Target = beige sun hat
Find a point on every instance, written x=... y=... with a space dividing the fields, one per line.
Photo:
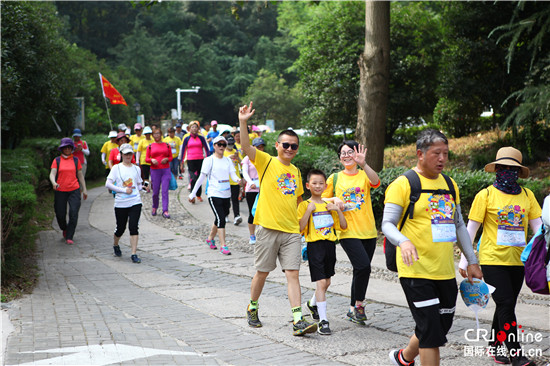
x=511 y=157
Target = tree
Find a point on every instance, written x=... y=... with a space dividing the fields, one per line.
x=273 y=99
x=374 y=65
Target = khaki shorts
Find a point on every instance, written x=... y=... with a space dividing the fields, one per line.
x=273 y=244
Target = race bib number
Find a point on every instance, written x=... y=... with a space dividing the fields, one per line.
x=223 y=185
x=349 y=206
x=174 y=150
x=443 y=230
x=512 y=236
x=322 y=220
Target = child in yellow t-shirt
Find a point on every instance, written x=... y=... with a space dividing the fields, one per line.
x=319 y=221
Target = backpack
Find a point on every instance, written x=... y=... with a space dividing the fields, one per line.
x=390 y=250
x=535 y=258
x=58 y=161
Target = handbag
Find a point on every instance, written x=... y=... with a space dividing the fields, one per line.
x=173 y=183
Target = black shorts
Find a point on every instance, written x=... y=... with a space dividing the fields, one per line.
x=321 y=256
x=432 y=304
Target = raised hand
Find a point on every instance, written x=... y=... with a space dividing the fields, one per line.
x=360 y=155
x=245 y=112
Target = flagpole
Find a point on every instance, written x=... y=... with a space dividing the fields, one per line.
x=105 y=100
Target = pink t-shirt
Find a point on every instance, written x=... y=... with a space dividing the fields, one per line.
x=194 y=148
x=159 y=151
x=252 y=173
x=80 y=154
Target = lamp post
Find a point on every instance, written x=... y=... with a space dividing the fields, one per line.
x=194 y=89
x=137 y=107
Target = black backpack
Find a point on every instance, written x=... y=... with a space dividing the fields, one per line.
x=416 y=190
x=58 y=161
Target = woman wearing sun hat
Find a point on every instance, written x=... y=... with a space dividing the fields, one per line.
x=67 y=181
x=506 y=211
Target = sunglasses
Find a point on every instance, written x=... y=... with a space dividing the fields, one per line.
x=286 y=145
x=221 y=144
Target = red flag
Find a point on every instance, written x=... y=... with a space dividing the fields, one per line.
x=110 y=92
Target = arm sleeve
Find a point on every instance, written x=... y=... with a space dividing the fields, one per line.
x=246 y=176
x=392 y=214
x=463 y=238
x=201 y=179
x=85 y=149
x=103 y=159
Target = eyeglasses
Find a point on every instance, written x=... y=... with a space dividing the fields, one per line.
x=286 y=145
x=347 y=153
x=221 y=144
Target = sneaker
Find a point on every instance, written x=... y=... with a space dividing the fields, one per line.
x=358 y=315
x=237 y=221
x=166 y=215
x=212 y=244
x=396 y=357
x=225 y=250
x=302 y=327
x=226 y=219
x=522 y=361
x=313 y=310
x=253 y=319
x=252 y=240
x=154 y=212
x=498 y=358
x=116 y=248
x=180 y=176
x=199 y=199
x=324 y=329
x=70 y=242
x=135 y=258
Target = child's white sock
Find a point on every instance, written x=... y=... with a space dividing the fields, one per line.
x=313 y=300
x=322 y=309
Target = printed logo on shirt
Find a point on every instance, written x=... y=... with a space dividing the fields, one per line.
x=353 y=198
x=286 y=183
x=442 y=208
x=510 y=229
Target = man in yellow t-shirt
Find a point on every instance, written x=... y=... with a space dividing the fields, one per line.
x=137 y=137
x=278 y=229
x=425 y=258
x=175 y=144
x=106 y=150
x=142 y=152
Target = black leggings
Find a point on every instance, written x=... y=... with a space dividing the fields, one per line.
x=61 y=199
x=360 y=252
x=508 y=281
x=220 y=207
x=123 y=214
x=195 y=167
x=235 y=192
x=250 y=198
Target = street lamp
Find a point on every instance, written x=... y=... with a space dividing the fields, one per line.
x=194 y=89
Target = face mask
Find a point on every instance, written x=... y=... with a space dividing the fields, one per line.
x=506 y=181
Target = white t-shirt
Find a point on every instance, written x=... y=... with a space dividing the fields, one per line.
x=123 y=177
x=218 y=172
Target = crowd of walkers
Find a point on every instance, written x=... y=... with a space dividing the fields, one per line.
x=423 y=229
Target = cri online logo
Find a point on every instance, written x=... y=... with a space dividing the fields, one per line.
x=501 y=336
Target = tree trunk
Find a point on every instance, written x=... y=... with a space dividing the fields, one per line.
x=374 y=66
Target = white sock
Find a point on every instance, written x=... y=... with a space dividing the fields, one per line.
x=322 y=309
x=313 y=300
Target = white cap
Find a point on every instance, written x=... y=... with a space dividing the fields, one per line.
x=147 y=130
x=126 y=148
x=218 y=139
x=112 y=134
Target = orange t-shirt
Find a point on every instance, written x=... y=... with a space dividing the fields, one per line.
x=66 y=174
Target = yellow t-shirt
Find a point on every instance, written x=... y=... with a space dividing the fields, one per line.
x=505 y=219
x=175 y=144
x=142 y=148
x=431 y=230
x=318 y=227
x=236 y=163
x=252 y=136
x=106 y=148
x=354 y=190
x=134 y=141
x=280 y=188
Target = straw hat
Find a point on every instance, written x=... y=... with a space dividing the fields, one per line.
x=511 y=157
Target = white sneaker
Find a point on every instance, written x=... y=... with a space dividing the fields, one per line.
x=237 y=221
x=252 y=240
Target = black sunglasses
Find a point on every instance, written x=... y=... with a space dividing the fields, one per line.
x=221 y=144
x=286 y=145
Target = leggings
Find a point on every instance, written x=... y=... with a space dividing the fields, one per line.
x=235 y=192
x=508 y=281
x=160 y=177
x=195 y=167
x=220 y=207
x=360 y=252
x=61 y=199
x=145 y=169
x=122 y=215
x=250 y=198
